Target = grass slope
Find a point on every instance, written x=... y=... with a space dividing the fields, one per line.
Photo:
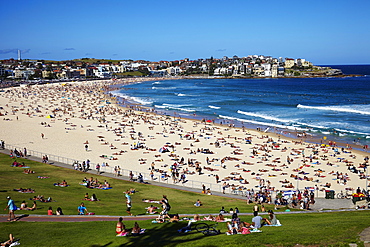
x=311 y=229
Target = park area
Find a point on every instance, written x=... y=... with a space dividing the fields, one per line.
x=302 y=228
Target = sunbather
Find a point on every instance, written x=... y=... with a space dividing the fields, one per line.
x=271 y=220
x=8 y=242
x=121 y=228
x=136 y=229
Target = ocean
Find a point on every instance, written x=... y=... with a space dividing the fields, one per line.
x=332 y=108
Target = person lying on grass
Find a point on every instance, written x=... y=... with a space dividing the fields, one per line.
x=151 y=210
x=62 y=184
x=8 y=242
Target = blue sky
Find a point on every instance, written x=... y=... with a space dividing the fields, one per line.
x=321 y=31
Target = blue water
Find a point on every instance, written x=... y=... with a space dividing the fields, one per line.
x=338 y=108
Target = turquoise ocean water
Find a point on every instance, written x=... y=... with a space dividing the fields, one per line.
x=338 y=108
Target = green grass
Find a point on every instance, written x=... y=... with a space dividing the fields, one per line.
x=309 y=229
x=325 y=229
x=112 y=202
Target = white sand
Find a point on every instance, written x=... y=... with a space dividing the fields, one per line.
x=82 y=114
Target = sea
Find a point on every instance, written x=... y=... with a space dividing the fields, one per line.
x=326 y=108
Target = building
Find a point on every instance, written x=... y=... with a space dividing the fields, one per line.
x=289 y=63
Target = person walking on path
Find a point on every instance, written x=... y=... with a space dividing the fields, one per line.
x=97 y=169
x=42 y=135
x=11 y=206
x=129 y=205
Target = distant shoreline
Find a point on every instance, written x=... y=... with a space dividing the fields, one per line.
x=315 y=138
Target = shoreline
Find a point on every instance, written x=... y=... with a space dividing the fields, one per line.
x=242 y=159
x=304 y=136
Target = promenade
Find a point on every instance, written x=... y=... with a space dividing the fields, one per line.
x=320 y=203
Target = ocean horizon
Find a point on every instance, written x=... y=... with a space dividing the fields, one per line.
x=333 y=108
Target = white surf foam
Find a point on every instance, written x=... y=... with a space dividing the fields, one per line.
x=251 y=114
x=264 y=123
x=361 y=109
x=214 y=107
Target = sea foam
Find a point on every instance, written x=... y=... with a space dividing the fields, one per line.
x=264 y=123
x=346 y=109
x=251 y=114
x=214 y=107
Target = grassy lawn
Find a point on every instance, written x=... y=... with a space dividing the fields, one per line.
x=325 y=229
x=311 y=229
x=112 y=202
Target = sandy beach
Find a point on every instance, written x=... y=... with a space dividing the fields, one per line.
x=79 y=121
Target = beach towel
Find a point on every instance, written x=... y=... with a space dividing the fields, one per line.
x=277 y=223
x=105 y=188
x=122 y=234
x=255 y=230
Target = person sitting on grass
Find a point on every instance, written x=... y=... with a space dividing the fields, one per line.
x=82 y=209
x=235 y=219
x=231 y=228
x=198 y=203
x=256 y=221
x=196 y=217
x=121 y=228
x=272 y=221
x=24 y=206
x=220 y=218
x=136 y=229
x=59 y=211
x=50 y=211
x=94 y=198
x=34 y=206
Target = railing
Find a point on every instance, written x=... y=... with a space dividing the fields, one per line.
x=123 y=172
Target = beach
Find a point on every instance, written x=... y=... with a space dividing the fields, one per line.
x=81 y=121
